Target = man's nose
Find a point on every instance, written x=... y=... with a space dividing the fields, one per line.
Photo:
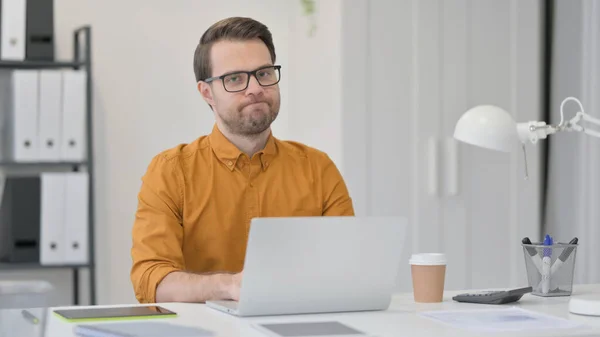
x=254 y=87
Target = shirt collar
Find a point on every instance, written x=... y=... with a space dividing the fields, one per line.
x=229 y=154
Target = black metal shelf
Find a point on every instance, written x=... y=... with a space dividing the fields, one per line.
x=31 y=265
x=39 y=64
x=82 y=53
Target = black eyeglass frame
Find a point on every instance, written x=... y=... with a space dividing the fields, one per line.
x=249 y=73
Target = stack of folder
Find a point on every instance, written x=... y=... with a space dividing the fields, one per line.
x=43 y=118
x=43 y=115
x=64 y=218
x=45 y=219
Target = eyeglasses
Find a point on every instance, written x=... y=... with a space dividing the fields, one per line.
x=239 y=80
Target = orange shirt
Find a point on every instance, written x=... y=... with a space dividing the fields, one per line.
x=197 y=199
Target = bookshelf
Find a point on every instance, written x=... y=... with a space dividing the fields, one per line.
x=81 y=61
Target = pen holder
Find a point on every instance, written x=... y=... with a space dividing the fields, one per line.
x=550 y=269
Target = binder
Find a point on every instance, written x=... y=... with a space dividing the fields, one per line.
x=50 y=120
x=6 y=110
x=23 y=112
x=39 y=30
x=73 y=143
x=20 y=219
x=12 y=30
x=76 y=218
x=52 y=218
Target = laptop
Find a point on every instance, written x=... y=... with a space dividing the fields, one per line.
x=301 y=265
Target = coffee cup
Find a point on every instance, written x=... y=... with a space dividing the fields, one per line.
x=428 y=272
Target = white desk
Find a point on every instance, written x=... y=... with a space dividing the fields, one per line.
x=400 y=319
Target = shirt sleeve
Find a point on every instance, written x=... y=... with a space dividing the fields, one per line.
x=337 y=201
x=157 y=230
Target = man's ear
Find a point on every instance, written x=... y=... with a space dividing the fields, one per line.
x=206 y=92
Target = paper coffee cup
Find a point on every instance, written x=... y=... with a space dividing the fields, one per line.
x=428 y=275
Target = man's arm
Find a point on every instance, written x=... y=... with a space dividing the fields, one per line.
x=187 y=287
x=158 y=271
x=336 y=197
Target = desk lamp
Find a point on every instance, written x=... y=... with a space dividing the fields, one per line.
x=493 y=128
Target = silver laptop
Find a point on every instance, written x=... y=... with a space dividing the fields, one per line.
x=297 y=265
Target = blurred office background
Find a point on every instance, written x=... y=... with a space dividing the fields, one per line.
x=379 y=86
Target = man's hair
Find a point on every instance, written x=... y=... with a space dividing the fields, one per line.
x=233 y=29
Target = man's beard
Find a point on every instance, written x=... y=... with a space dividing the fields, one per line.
x=250 y=124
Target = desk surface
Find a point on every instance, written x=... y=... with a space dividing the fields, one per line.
x=401 y=319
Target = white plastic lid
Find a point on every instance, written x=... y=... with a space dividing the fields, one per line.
x=428 y=259
x=588 y=305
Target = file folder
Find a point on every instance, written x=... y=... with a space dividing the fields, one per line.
x=6 y=111
x=39 y=31
x=52 y=229
x=20 y=219
x=73 y=145
x=12 y=29
x=76 y=218
x=19 y=101
x=50 y=120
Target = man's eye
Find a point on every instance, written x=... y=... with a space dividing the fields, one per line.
x=233 y=79
x=264 y=73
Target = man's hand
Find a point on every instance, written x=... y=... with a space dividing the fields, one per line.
x=187 y=287
x=236 y=284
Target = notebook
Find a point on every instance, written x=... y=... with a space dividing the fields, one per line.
x=139 y=329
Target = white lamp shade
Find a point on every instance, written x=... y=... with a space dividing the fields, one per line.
x=489 y=127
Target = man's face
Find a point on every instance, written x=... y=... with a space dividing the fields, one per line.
x=250 y=111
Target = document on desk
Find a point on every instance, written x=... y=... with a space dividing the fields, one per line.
x=496 y=320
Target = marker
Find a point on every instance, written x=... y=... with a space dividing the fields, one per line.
x=30 y=317
x=564 y=256
x=546 y=264
x=537 y=261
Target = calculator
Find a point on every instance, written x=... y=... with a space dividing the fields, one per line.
x=494 y=296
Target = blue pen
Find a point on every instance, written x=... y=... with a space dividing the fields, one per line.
x=546 y=264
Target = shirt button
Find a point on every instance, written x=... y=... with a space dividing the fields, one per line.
x=229 y=163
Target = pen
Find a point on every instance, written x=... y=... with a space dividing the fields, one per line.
x=564 y=256
x=537 y=261
x=30 y=317
x=546 y=264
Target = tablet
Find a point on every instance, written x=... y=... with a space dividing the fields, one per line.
x=114 y=313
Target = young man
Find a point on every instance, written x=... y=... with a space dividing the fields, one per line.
x=197 y=199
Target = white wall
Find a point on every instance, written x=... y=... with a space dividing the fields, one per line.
x=574 y=159
x=145 y=101
x=145 y=98
x=338 y=94
x=315 y=78
x=428 y=62
x=143 y=81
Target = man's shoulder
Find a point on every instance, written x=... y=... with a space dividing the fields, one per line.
x=181 y=151
x=300 y=150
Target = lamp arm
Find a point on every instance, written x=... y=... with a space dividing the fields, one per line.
x=535 y=130
x=562 y=106
x=573 y=126
x=531 y=132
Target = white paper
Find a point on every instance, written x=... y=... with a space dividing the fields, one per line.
x=495 y=320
